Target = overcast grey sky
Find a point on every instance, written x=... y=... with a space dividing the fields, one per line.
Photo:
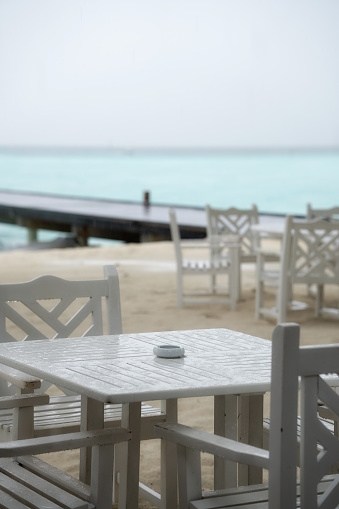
x=169 y=73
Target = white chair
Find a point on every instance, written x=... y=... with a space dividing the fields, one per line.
x=314 y=489
x=330 y=214
x=309 y=256
x=307 y=250
x=227 y=225
x=204 y=267
x=53 y=307
x=27 y=481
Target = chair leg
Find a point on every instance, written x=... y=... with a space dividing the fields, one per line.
x=239 y=282
x=189 y=467
x=23 y=422
x=259 y=292
x=180 y=289
x=234 y=291
x=213 y=283
x=283 y=297
x=102 y=476
x=234 y=278
x=259 y=296
x=319 y=301
x=120 y=464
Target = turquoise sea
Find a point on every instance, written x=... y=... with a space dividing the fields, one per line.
x=278 y=182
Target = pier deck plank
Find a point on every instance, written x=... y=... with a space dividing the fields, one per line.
x=86 y=217
x=101 y=218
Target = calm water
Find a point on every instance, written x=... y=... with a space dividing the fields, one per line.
x=277 y=182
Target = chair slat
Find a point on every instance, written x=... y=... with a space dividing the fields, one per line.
x=8 y=502
x=24 y=493
x=34 y=489
x=58 y=477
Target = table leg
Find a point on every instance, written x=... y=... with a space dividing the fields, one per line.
x=239 y=418
x=169 y=478
x=129 y=457
x=92 y=417
x=250 y=431
x=225 y=425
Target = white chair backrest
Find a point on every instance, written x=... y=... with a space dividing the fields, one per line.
x=289 y=362
x=310 y=251
x=223 y=222
x=330 y=214
x=51 y=307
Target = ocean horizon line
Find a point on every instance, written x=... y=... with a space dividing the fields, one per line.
x=25 y=149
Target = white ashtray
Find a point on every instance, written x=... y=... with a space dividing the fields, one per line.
x=169 y=351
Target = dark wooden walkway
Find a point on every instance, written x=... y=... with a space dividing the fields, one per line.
x=84 y=218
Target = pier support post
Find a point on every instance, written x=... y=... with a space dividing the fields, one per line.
x=81 y=234
x=32 y=235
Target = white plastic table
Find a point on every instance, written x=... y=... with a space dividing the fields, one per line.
x=273 y=230
x=123 y=369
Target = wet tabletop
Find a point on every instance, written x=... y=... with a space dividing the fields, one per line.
x=123 y=368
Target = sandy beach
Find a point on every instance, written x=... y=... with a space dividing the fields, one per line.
x=147 y=274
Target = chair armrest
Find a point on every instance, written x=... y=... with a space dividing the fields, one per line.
x=267 y=252
x=213 y=444
x=199 y=244
x=64 y=442
x=23 y=400
x=19 y=378
x=222 y=241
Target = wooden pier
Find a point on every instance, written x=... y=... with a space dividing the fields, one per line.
x=85 y=217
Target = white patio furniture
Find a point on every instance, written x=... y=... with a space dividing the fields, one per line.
x=270 y=230
x=53 y=307
x=188 y=267
x=231 y=366
x=329 y=214
x=309 y=256
x=225 y=225
x=28 y=482
x=270 y=276
x=284 y=490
